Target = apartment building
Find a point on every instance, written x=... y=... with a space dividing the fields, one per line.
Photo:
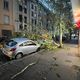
x=6 y=18
x=44 y=18
x=22 y=15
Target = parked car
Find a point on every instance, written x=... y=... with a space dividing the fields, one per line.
x=17 y=47
x=64 y=38
x=4 y=39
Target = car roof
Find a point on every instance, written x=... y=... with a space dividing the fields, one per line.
x=20 y=40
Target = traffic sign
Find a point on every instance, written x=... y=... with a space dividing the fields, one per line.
x=78 y=24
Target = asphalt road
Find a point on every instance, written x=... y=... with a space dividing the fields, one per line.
x=63 y=64
x=3 y=58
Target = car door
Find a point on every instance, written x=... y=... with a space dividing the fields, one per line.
x=23 y=48
x=28 y=47
x=31 y=46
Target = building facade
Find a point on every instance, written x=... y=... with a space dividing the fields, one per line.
x=23 y=15
x=6 y=18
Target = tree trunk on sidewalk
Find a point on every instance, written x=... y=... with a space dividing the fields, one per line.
x=70 y=33
x=79 y=38
x=61 y=45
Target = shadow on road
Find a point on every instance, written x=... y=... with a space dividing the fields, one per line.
x=78 y=75
x=3 y=58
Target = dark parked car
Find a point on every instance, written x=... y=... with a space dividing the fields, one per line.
x=3 y=39
x=63 y=38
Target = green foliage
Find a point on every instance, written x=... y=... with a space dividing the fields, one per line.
x=17 y=34
x=33 y=36
x=48 y=44
x=45 y=41
x=62 y=17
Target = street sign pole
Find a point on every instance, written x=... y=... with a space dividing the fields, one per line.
x=79 y=39
x=78 y=43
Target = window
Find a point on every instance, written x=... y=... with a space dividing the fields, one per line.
x=28 y=43
x=20 y=8
x=25 y=10
x=20 y=18
x=6 y=4
x=11 y=43
x=20 y=27
x=35 y=22
x=25 y=44
x=32 y=6
x=21 y=44
x=32 y=21
x=6 y=19
x=25 y=27
x=35 y=15
x=35 y=8
x=7 y=33
x=32 y=13
x=25 y=19
x=25 y=2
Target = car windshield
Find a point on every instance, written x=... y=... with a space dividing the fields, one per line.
x=11 y=43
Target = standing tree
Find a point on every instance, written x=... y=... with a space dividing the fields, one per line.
x=63 y=15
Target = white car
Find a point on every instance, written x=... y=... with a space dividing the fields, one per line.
x=17 y=47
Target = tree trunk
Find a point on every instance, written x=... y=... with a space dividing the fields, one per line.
x=55 y=43
x=70 y=33
x=79 y=38
x=61 y=45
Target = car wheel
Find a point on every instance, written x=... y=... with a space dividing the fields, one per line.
x=18 y=56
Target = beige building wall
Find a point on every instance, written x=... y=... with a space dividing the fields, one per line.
x=9 y=13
